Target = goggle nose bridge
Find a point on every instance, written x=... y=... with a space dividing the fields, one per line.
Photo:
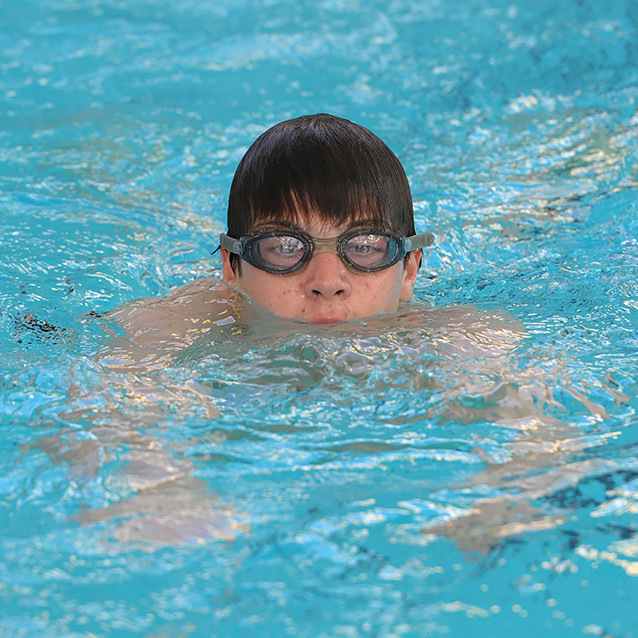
x=328 y=245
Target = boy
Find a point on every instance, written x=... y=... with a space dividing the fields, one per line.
x=320 y=230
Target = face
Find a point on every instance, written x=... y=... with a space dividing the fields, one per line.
x=326 y=291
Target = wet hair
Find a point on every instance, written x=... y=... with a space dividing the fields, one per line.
x=319 y=165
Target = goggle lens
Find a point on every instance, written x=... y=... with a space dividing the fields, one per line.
x=372 y=251
x=281 y=252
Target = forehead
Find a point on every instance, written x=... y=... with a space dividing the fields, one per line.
x=317 y=226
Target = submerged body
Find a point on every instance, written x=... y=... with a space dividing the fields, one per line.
x=318 y=269
x=155 y=330
x=460 y=361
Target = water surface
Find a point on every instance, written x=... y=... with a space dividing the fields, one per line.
x=421 y=475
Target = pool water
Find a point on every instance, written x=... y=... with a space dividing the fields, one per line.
x=398 y=477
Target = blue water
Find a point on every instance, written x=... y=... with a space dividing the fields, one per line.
x=352 y=481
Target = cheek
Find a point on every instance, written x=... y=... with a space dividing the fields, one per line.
x=382 y=290
x=284 y=297
x=288 y=290
x=266 y=288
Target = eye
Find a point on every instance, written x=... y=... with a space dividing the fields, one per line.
x=363 y=249
x=281 y=250
x=367 y=244
x=370 y=251
x=285 y=245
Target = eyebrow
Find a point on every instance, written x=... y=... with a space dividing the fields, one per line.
x=264 y=226
x=276 y=225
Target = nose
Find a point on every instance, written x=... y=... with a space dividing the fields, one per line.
x=327 y=277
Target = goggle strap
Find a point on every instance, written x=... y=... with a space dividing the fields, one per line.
x=418 y=241
x=230 y=244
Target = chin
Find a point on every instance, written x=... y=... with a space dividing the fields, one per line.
x=324 y=320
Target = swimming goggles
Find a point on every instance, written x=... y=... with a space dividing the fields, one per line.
x=282 y=252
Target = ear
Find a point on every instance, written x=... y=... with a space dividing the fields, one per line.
x=227 y=273
x=409 y=274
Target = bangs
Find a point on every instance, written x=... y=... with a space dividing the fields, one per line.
x=340 y=205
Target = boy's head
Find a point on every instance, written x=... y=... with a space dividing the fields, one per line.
x=322 y=175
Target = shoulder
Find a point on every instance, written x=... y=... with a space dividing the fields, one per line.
x=476 y=332
x=195 y=307
x=465 y=331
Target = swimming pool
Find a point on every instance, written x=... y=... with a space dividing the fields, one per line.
x=368 y=480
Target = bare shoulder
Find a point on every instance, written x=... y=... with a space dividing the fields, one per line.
x=469 y=331
x=480 y=332
x=189 y=309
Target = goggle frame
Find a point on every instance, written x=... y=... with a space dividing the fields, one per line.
x=313 y=245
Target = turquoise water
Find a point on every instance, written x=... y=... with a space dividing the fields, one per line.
x=374 y=480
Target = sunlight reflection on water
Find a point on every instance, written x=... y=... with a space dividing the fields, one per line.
x=407 y=477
